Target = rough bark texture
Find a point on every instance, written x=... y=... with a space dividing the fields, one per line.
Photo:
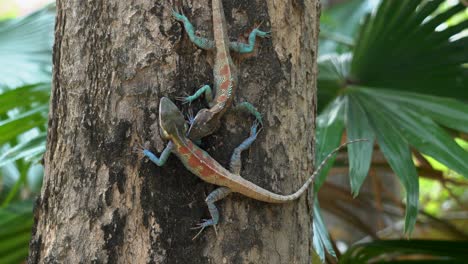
x=113 y=60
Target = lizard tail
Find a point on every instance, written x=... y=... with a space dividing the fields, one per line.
x=304 y=187
x=251 y=190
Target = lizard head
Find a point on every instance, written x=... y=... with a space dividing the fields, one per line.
x=171 y=120
x=203 y=124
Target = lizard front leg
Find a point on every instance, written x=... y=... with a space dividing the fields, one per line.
x=164 y=155
x=213 y=197
x=208 y=44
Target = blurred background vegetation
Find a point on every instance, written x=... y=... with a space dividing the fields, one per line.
x=395 y=72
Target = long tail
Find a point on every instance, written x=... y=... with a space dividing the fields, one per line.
x=319 y=168
x=220 y=27
x=262 y=194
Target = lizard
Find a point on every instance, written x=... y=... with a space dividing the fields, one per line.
x=173 y=128
x=207 y=120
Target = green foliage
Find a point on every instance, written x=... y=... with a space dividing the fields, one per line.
x=399 y=82
x=407 y=251
x=25 y=49
x=21 y=116
x=418 y=57
x=25 y=56
x=339 y=25
x=15 y=231
x=321 y=239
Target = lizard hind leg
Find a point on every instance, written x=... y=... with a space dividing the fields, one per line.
x=236 y=163
x=249 y=108
x=213 y=197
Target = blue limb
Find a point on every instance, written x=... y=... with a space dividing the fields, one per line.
x=248 y=48
x=236 y=163
x=164 y=155
x=213 y=197
x=208 y=44
x=249 y=108
x=205 y=89
x=202 y=43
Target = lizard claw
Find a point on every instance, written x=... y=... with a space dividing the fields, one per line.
x=178 y=16
x=184 y=99
x=190 y=117
x=254 y=130
x=138 y=149
x=204 y=224
x=262 y=34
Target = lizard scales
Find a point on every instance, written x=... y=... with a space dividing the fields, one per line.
x=207 y=120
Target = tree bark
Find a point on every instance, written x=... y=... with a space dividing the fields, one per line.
x=113 y=61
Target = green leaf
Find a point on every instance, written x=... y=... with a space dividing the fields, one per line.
x=321 y=239
x=330 y=126
x=23 y=122
x=396 y=150
x=26 y=47
x=399 y=48
x=430 y=139
x=359 y=155
x=29 y=148
x=16 y=222
x=339 y=24
x=421 y=131
x=29 y=94
x=448 y=112
x=333 y=69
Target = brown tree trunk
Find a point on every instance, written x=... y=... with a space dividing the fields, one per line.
x=113 y=61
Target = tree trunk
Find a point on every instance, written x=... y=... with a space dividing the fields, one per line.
x=113 y=61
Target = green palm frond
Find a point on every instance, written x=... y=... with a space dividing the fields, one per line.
x=26 y=48
x=403 y=86
x=395 y=43
x=15 y=231
x=404 y=46
x=20 y=117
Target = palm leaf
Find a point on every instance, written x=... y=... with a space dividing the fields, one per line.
x=330 y=126
x=339 y=25
x=321 y=239
x=15 y=231
x=28 y=149
x=25 y=48
x=398 y=53
x=400 y=48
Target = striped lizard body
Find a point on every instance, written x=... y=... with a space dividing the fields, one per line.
x=173 y=128
x=207 y=120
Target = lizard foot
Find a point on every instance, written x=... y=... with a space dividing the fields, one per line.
x=178 y=16
x=205 y=223
x=190 y=117
x=138 y=149
x=254 y=130
x=184 y=99
x=262 y=34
